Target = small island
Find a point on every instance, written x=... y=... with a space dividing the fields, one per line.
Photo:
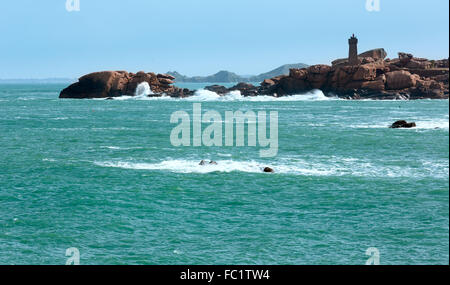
x=369 y=75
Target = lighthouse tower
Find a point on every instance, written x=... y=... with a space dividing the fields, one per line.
x=353 y=50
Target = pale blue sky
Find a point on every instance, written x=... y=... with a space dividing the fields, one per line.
x=41 y=39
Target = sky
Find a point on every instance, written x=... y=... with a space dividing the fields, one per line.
x=41 y=39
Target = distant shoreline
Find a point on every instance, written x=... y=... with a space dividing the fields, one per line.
x=39 y=81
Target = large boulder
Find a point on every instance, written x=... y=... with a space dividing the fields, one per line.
x=401 y=79
x=377 y=85
x=98 y=85
x=246 y=89
x=108 y=84
x=267 y=83
x=365 y=72
x=165 y=81
x=340 y=61
x=219 y=89
x=165 y=76
x=369 y=56
x=376 y=54
x=298 y=73
x=405 y=58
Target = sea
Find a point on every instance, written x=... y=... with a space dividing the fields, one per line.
x=100 y=182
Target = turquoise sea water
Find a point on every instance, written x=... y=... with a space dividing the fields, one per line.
x=102 y=176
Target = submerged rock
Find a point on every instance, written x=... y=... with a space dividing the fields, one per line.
x=268 y=170
x=403 y=124
x=203 y=162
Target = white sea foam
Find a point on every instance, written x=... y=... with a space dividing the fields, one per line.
x=206 y=95
x=433 y=124
x=203 y=95
x=332 y=166
x=315 y=95
x=187 y=166
x=110 y=147
x=143 y=90
x=120 y=148
x=59 y=118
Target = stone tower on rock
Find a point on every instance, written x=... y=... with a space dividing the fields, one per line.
x=353 y=50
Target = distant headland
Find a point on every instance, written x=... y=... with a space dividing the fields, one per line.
x=231 y=77
x=368 y=75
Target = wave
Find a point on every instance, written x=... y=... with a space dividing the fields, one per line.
x=433 y=124
x=120 y=148
x=430 y=124
x=188 y=166
x=334 y=166
x=143 y=89
x=203 y=95
x=226 y=166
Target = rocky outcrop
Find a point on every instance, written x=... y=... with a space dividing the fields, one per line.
x=268 y=170
x=374 y=77
x=403 y=125
x=401 y=79
x=245 y=89
x=110 y=84
x=405 y=77
x=219 y=89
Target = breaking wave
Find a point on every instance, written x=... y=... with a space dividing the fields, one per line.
x=143 y=89
x=203 y=95
x=334 y=166
x=188 y=166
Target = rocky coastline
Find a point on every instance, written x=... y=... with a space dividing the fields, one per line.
x=373 y=76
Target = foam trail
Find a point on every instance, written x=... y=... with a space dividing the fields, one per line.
x=433 y=124
x=186 y=166
x=190 y=166
x=335 y=166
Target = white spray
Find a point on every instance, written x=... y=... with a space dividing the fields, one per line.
x=143 y=90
